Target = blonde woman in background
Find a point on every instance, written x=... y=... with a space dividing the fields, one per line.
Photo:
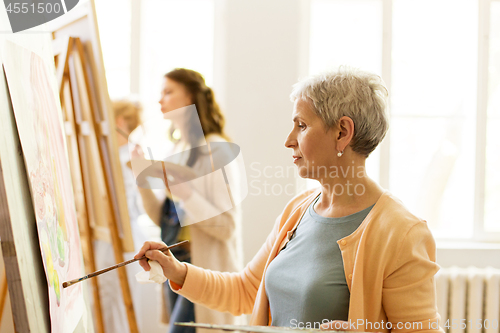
x=215 y=243
x=127 y=118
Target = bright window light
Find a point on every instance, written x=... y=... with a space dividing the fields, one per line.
x=174 y=33
x=113 y=18
x=434 y=72
x=347 y=32
x=492 y=195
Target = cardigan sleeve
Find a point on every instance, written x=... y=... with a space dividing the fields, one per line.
x=409 y=297
x=228 y=292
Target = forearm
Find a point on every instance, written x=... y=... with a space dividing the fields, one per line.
x=152 y=205
x=231 y=292
x=221 y=291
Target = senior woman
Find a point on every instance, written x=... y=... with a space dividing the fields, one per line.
x=348 y=253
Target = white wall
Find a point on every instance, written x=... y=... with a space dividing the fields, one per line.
x=468 y=254
x=256 y=64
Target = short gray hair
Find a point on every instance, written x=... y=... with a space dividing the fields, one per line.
x=359 y=95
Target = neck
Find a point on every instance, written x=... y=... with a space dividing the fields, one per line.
x=347 y=190
x=121 y=140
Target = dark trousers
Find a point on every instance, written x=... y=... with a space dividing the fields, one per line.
x=181 y=310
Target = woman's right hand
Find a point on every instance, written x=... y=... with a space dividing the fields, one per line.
x=137 y=152
x=173 y=269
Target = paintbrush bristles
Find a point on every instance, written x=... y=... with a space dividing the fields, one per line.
x=91 y=275
x=69 y=283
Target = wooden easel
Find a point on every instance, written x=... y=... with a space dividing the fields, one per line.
x=76 y=177
x=85 y=129
x=81 y=22
x=3 y=293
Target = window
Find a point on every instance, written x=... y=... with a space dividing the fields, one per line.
x=115 y=43
x=442 y=154
x=433 y=118
x=169 y=34
x=330 y=20
x=174 y=33
x=492 y=191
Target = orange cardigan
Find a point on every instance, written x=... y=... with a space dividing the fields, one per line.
x=389 y=264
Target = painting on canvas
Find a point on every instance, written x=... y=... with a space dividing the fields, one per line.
x=36 y=107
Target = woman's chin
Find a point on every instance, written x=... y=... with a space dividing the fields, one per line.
x=303 y=172
x=167 y=115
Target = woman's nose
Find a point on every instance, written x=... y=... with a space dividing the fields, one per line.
x=290 y=141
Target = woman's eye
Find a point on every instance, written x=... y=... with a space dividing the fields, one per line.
x=301 y=126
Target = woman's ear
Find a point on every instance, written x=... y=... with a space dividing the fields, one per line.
x=346 y=132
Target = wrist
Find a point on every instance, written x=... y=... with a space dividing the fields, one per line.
x=180 y=275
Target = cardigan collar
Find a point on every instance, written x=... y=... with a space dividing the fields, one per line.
x=310 y=198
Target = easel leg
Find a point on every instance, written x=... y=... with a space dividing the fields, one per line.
x=3 y=294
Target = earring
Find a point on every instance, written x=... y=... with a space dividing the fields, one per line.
x=340 y=153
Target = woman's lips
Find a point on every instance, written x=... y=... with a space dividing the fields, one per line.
x=296 y=158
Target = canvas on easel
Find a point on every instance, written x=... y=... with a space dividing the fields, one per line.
x=27 y=285
x=39 y=126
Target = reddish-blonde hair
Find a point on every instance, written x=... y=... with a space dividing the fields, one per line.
x=211 y=118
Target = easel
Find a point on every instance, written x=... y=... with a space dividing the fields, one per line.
x=3 y=293
x=76 y=177
x=6 y=320
x=85 y=130
x=81 y=22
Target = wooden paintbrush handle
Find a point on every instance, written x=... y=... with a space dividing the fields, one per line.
x=91 y=275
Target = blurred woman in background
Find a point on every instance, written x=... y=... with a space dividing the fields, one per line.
x=127 y=117
x=215 y=243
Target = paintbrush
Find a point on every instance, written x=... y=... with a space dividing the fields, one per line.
x=91 y=275
x=122 y=132
x=125 y=135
